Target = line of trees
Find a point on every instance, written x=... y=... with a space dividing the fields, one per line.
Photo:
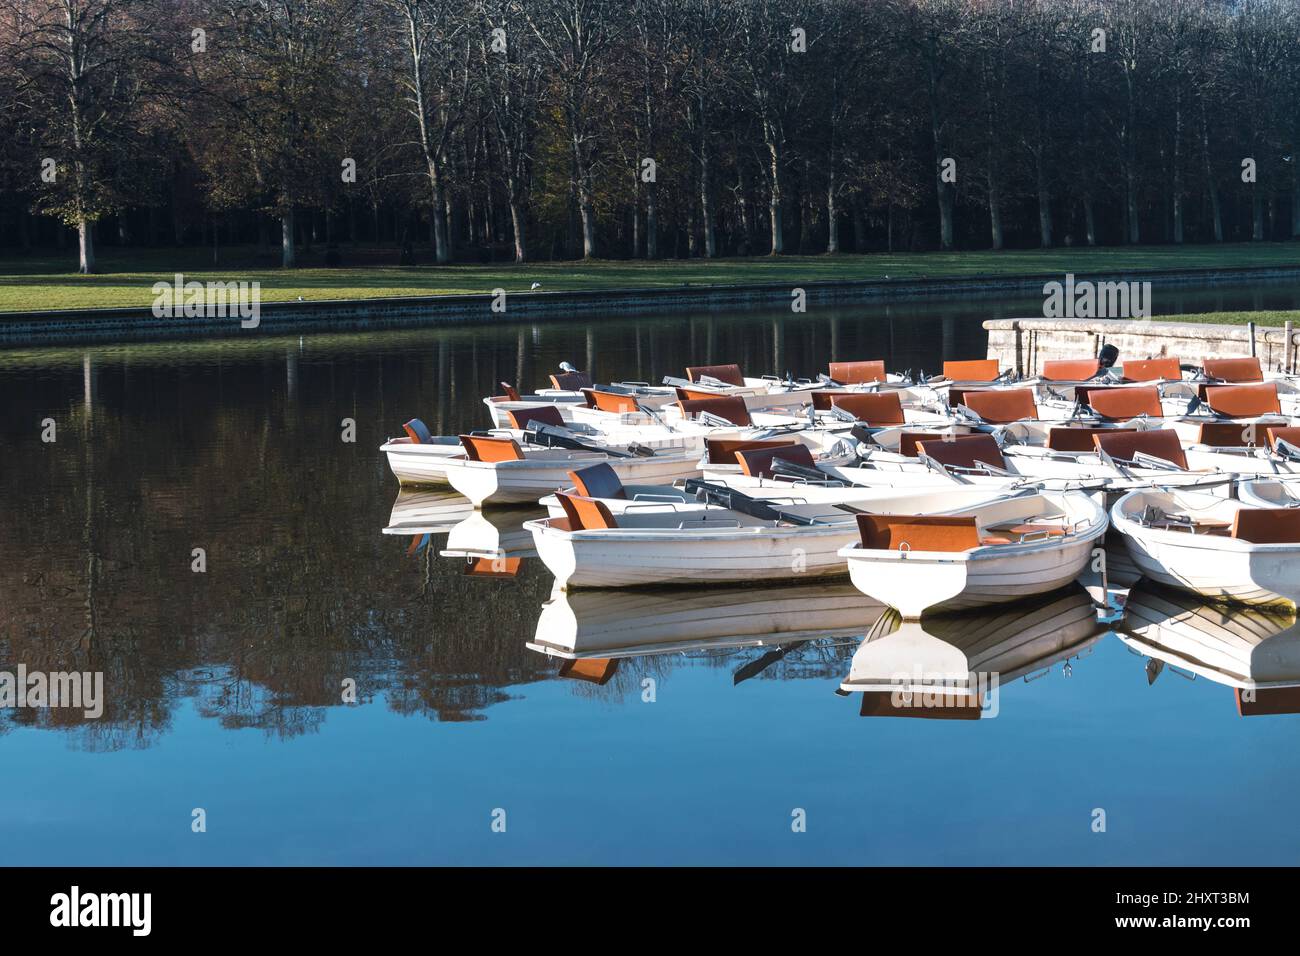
x=484 y=129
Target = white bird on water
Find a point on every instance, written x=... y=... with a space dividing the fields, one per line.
x=534 y=287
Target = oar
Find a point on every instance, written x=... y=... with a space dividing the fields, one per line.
x=762 y=663
x=549 y=436
x=788 y=469
x=738 y=501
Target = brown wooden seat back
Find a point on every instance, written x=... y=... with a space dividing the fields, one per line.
x=491 y=448
x=1077 y=439
x=1126 y=402
x=1225 y=434
x=918 y=533
x=1241 y=369
x=536 y=414
x=723 y=373
x=722 y=451
x=823 y=399
x=857 y=373
x=758 y=462
x=1070 y=370
x=962 y=451
x=874 y=408
x=1289 y=434
x=1267 y=525
x=973 y=370
x=730 y=407
x=585 y=514
x=1244 y=401
x=1159 y=443
x=609 y=401
x=1149 y=370
x=571 y=381
x=1000 y=406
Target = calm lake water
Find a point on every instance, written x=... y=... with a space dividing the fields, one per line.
x=223 y=689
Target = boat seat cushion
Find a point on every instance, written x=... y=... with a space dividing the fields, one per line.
x=585 y=514
x=609 y=401
x=974 y=370
x=962 y=451
x=730 y=407
x=918 y=532
x=1070 y=370
x=597 y=481
x=874 y=408
x=1267 y=525
x=1149 y=370
x=571 y=381
x=535 y=415
x=1159 y=443
x=418 y=432
x=1242 y=369
x=723 y=373
x=759 y=462
x=1065 y=438
x=1126 y=402
x=722 y=451
x=1244 y=401
x=998 y=407
x=857 y=373
x=491 y=448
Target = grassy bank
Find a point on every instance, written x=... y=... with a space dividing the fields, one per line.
x=127 y=275
x=1277 y=317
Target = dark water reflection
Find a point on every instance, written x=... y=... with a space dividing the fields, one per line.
x=235 y=447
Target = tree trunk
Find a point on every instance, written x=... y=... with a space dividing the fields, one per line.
x=288 y=253
x=774 y=201
x=517 y=223
x=706 y=199
x=1131 y=206
x=86 y=245
x=651 y=222
x=1178 y=171
x=1044 y=207
x=995 y=212
x=832 y=219
x=1089 y=221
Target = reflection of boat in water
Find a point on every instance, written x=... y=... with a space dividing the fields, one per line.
x=943 y=666
x=427 y=512
x=612 y=624
x=491 y=544
x=1254 y=650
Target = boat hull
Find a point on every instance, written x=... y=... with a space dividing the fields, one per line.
x=728 y=556
x=528 y=480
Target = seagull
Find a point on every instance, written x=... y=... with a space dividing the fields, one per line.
x=566 y=367
x=534 y=287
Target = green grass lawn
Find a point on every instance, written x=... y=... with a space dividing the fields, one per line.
x=127 y=275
